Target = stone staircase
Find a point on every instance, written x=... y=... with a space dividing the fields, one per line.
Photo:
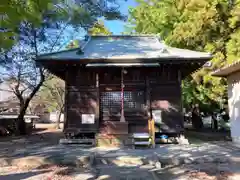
x=141 y=139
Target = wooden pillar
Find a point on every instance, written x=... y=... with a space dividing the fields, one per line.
x=122 y=118
x=148 y=97
x=98 y=100
x=65 y=99
x=179 y=75
x=151 y=123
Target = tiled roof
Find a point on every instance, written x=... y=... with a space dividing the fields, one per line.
x=125 y=47
x=227 y=70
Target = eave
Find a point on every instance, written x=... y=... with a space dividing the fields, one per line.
x=227 y=70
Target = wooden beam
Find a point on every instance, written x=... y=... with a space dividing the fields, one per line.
x=65 y=101
x=147 y=97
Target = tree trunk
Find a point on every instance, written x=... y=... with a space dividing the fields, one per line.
x=58 y=120
x=21 y=125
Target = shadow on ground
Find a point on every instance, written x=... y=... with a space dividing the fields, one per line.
x=199 y=161
x=24 y=175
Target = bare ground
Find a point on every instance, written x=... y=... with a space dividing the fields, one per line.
x=39 y=157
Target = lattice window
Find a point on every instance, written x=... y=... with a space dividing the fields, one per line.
x=111 y=101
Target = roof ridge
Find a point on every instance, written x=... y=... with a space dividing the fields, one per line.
x=190 y=50
x=86 y=43
x=130 y=35
x=93 y=36
x=143 y=46
x=57 y=52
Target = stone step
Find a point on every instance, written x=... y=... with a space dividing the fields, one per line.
x=82 y=142
x=141 y=135
x=142 y=143
x=113 y=140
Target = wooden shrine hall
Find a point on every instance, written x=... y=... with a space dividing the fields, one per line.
x=115 y=84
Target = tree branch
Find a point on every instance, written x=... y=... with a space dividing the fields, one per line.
x=59 y=35
x=35 y=41
x=34 y=91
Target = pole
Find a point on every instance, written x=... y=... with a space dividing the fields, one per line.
x=122 y=118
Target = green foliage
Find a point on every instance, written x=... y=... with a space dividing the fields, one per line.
x=52 y=93
x=99 y=29
x=73 y=44
x=14 y=12
x=39 y=13
x=203 y=25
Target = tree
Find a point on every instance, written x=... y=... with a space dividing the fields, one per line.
x=53 y=94
x=43 y=26
x=203 y=25
x=86 y=13
x=25 y=77
x=99 y=29
x=13 y=12
x=73 y=44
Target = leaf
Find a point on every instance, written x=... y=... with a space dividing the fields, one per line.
x=202 y=25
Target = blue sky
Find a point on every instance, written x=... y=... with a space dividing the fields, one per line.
x=116 y=27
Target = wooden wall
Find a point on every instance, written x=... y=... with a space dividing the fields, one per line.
x=81 y=98
x=97 y=91
x=165 y=95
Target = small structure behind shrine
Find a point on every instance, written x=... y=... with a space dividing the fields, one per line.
x=232 y=73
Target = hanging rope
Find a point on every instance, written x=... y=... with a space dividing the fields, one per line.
x=122 y=119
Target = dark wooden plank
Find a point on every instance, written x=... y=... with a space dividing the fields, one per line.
x=66 y=102
x=168 y=99
x=148 y=98
x=81 y=77
x=112 y=127
x=82 y=102
x=154 y=85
